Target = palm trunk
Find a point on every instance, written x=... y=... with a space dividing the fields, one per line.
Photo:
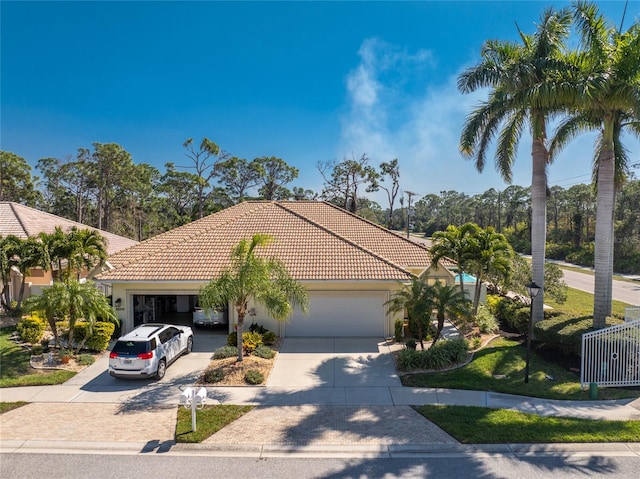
x=539 y=156
x=603 y=261
x=476 y=294
x=239 y=334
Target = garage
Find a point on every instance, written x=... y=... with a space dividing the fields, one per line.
x=353 y=313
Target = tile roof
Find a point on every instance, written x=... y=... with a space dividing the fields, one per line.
x=315 y=240
x=23 y=221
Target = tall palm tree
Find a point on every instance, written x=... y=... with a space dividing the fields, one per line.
x=455 y=243
x=416 y=299
x=447 y=301
x=519 y=79
x=606 y=99
x=265 y=280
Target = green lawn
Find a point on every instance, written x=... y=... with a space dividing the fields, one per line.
x=209 y=420
x=15 y=369
x=506 y=359
x=477 y=425
x=8 y=406
x=582 y=302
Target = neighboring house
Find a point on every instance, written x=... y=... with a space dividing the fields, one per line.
x=23 y=221
x=349 y=266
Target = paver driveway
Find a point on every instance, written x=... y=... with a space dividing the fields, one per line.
x=307 y=363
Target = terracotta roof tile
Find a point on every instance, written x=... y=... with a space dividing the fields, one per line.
x=315 y=240
x=23 y=221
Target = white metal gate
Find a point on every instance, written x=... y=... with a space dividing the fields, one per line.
x=611 y=356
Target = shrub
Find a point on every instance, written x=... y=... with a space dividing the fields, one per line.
x=257 y=328
x=398 y=330
x=31 y=328
x=85 y=359
x=519 y=319
x=411 y=344
x=37 y=349
x=264 y=352
x=250 y=341
x=486 y=322
x=443 y=354
x=269 y=337
x=232 y=339
x=213 y=375
x=253 y=376
x=475 y=343
x=225 y=352
x=99 y=339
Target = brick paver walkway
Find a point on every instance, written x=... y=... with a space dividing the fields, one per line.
x=331 y=425
x=87 y=422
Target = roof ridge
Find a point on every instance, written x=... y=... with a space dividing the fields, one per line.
x=342 y=238
x=376 y=225
x=182 y=239
x=16 y=216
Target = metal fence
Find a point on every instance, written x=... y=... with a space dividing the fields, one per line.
x=611 y=356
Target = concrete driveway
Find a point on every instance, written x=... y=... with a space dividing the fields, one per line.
x=305 y=363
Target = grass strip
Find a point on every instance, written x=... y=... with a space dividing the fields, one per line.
x=477 y=425
x=209 y=420
x=500 y=368
x=8 y=406
x=582 y=302
x=16 y=369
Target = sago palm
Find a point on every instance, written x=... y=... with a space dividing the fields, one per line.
x=521 y=93
x=264 y=280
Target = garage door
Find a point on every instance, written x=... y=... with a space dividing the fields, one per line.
x=340 y=314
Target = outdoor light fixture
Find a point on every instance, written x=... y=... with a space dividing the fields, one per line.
x=118 y=303
x=533 y=289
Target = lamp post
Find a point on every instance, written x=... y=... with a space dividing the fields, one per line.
x=533 y=289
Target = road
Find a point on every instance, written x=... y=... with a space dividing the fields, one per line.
x=625 y=291
x=441 y=466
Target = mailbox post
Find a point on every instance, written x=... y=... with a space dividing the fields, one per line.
x=192 y=399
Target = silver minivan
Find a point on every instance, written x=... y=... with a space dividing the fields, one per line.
x=148 y=350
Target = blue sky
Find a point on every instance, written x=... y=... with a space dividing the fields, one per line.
x=303 y=81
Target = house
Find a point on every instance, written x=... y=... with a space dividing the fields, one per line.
x=350 y=267
x=23 y=222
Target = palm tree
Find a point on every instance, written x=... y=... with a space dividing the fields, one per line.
x=33 y=254
x=519 y=78
x=87 y=249
x=416 y=299
x=74 y=301
x=9 y=248
x=265 y=280
x=447 y=301
x=606 y=99
x=492 y=255
x=457 y=244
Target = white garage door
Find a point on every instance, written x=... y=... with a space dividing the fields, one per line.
x=340 y=314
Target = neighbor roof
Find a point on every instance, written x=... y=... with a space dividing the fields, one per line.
x=315 y=240
x=23 y=221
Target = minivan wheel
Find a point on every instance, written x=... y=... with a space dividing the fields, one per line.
x=162 y=368
x=189 y=345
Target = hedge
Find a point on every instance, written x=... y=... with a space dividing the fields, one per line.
x=563 y=330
